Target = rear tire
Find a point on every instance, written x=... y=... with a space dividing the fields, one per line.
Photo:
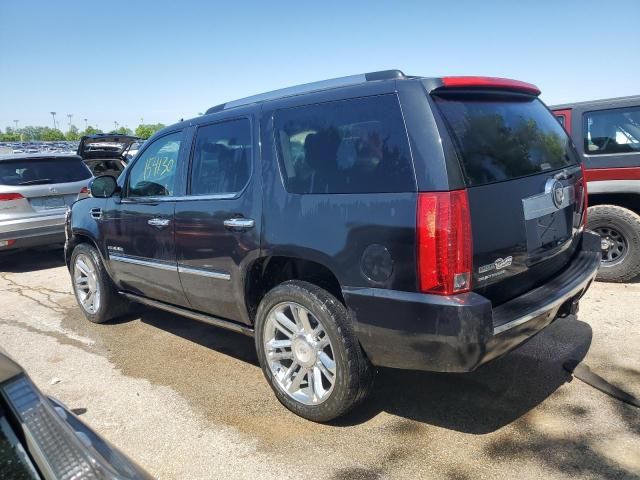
x=619 y=229
x=301 y=318
x=96 y=295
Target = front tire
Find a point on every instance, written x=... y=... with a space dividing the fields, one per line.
x=619 y=229
x=309 y=352
x=96 y=295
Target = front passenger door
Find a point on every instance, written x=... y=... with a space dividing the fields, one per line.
x=138 y=226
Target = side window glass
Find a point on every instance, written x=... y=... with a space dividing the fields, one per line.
x=154 y=173
x=221 y=158
x=348 y=146
x=561 y=119
x=612 y=131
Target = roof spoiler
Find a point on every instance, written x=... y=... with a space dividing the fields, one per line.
x=487 y=82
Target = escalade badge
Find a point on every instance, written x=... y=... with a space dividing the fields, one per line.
x=499 y=264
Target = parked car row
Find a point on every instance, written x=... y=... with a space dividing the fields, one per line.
x=39 y=147
x=373 y=220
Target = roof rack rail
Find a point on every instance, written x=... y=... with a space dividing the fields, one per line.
x=311 y=87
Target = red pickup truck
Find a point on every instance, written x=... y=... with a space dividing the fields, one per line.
x=607 y=136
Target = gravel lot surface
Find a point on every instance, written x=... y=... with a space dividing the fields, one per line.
x=188 y=401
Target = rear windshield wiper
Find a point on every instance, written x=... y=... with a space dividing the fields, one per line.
x=36 y=182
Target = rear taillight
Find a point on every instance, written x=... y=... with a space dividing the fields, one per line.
x=585 y=197
x=444 y=242
x=5 y=197
x=84 y=190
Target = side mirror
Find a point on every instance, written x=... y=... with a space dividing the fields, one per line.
x=103 y=186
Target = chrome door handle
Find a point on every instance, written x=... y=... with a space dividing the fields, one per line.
x=239 y=223
x=158 y=222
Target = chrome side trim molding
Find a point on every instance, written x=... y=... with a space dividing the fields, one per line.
x=201 y=317
x=205 y=273
x=144 y=263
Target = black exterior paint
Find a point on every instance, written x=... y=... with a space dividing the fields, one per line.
x=335 y=231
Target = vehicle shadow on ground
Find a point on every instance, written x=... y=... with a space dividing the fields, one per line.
x=32 y=260
x=223 y=341
x=491 y=397
x=478 y=402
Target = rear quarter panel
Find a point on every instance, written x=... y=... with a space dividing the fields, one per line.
x=336 y=229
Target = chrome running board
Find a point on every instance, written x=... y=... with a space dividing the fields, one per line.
x=201 y=317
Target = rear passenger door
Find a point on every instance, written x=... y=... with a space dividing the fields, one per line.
x=218 y=222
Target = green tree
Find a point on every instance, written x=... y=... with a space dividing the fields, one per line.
x=73 y=134
x=145 y=130
x=122 y=131
x=90 y=131
x=51 y=134
x=10 y=135
x=32 y=133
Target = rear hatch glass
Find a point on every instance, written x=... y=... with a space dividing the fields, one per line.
x=42 y=171
x=504 y=137
x=44 y=184
x=515 y=156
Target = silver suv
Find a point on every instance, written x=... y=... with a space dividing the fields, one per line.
x=35 y=191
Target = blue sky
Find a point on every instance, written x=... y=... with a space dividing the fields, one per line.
x=123 y=61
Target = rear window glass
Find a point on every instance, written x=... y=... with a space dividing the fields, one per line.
x=347 y=146
x=500 y=137
x=42 y=172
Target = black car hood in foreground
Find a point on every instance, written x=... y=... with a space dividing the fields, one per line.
x=8 y=368
x=46 y=440
x=105 y=145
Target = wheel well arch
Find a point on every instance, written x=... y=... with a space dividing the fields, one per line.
x=76 y=240
x=630 y=201
x=267 y=272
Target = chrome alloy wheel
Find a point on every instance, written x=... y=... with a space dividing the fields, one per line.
x=85 y=282
x=299 y=353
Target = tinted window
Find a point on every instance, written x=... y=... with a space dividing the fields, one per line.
x=221 y=158
x=154 y=173
x=612 y=131
x=42 y=172
x=500 y=137
x=560 y=119
x=348 y=146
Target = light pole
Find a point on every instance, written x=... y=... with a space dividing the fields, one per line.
x=115 y=124
x=53 y=114
x=69 y=116
x=85 y=124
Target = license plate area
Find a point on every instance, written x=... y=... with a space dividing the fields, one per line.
x=548 y=223
x=48 y=203
x=54 y=202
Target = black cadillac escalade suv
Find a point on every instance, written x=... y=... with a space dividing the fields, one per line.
x=373 y=220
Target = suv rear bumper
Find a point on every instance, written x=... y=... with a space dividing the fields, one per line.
x=459 y=333
x=33 y=231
